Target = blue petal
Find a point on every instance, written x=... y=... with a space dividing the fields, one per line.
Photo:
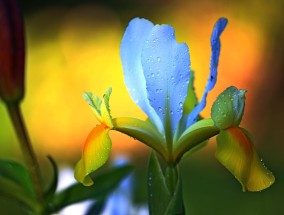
x=166 y=68
x=215 y=48
x=135 y=35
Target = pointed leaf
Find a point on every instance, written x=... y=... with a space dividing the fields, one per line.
x=158 y=193
x=52 y=187
x=95 y=102
x=143 y=131
x=191 y=98
x=97 y=208
x=236 y=152
x=96 y=152
x=161 y=201
x=105 y=183
x=215 y=49
x=227 y=111
x=100 y=107
x=193 y=136
x=166 y=67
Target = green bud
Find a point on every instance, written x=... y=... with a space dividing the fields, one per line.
x=227 y=111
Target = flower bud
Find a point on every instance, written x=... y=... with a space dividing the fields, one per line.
x=12 y=52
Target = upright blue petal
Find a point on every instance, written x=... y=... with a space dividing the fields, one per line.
x=135 y=35
x=215 y=49
x=166 y=68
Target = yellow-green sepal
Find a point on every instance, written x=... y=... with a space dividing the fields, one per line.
x=193 y=136
x=236 y=152
x=143 y=131
x=100 y=107
x=96 y=152
x=227 y=111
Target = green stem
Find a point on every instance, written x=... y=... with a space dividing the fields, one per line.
x=171 y=178
x=26 y=148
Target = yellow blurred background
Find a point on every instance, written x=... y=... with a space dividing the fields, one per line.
x=73 y=46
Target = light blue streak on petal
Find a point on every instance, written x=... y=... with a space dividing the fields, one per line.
x=215 y=49
x=166 y=68
x=135 y=35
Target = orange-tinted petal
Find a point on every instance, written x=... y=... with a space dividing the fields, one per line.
x=96 y=152
x=236 y=152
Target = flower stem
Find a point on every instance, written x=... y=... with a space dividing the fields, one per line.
x=26 y=148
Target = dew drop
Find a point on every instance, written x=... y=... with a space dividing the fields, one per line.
x=158 y=59
x=160 y=109
x=152 y=75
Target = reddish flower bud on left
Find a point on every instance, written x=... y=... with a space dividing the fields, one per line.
x=12 y=52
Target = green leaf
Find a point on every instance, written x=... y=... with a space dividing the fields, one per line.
x=17 y=174
x=227 y=111
x=161 y=200
x=52 y=188
x=194 y=136
x=104 y=184
x=236 y=152
x=143 y=131
x=14 y=192
x=96 y=208
x=191 y=98
x=96 y=152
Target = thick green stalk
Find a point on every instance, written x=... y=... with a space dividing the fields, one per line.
x=171 y=176
x=26 y=148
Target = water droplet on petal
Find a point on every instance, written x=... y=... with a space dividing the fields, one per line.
x=152 y=75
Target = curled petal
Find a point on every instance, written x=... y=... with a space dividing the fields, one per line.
x=236 y=152
x=215 y=49
x=130 y=52
x=166 y=68
x=143 y=131
x=96 y=152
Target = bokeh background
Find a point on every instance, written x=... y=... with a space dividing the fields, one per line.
x=73 y=46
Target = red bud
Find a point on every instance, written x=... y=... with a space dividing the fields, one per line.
x=12 y=52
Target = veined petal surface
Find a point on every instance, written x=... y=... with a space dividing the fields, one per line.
x=166 y=68
x=133 y=39
x=236 y=152
x=96 y=152
x=215 y=49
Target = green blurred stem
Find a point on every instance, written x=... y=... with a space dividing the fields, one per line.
x=26 y=148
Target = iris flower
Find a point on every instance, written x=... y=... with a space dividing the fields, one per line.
x=159 y=79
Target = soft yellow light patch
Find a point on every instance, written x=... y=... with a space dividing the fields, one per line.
x=236 y=152
x=96 y=152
